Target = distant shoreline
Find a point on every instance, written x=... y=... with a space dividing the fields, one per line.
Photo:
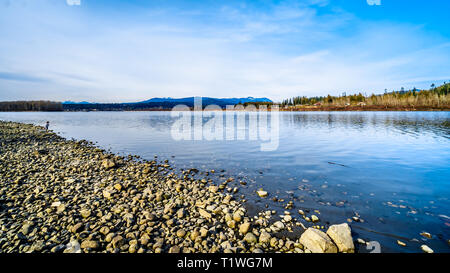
x=367 y=108
x=290 y=109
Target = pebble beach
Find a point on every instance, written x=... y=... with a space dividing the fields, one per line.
x=69 y=196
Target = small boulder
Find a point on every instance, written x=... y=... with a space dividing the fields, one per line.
x=317 y=241
x=278 y=225
x=342 y=237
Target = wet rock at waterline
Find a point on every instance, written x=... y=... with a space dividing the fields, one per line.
x=341 y=236
x=317 y=241
x=426 y=249
x=262 y=193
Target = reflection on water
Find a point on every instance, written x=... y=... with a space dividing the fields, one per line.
x=405 y=122
x=390 y=168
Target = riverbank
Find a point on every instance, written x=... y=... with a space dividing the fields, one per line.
x=61 y=195
x=358 y=108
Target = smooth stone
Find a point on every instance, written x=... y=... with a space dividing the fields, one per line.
x=61 y=208
x=250 y=238
x=174 y=249
x=213 y=189
x=244 y=228
x=231 y=224
x=118 y=187
x=181 y=233
x=204 y=213
x=85 y=213
x=106 y=194
x=26 y=228
x=180 y=213
x=361 y=241
x=426 y=249
x=89 y=244
x=194 y=235
x=237 y=217
x=279 y=225
x=264 y=237
x=108 y=164
x=104 y=230
x=203 y=232
x=77 y=228
x=118 y=241
x=262 y=193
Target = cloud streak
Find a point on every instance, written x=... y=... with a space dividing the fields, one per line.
x=20 y=77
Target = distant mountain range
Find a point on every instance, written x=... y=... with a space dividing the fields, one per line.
x=187 y=100
x=73 y=102
x=164 y=103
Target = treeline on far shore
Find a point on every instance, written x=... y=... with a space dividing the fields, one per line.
x=436 y=97
x=17 y=106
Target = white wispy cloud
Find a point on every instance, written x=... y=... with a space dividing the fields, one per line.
x=284 y=50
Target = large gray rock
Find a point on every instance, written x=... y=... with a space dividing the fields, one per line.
x=342 y=237
x=317 y=241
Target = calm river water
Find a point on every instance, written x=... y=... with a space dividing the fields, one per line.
x=391 y=169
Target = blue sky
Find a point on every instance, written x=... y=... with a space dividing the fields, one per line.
x=113 y=51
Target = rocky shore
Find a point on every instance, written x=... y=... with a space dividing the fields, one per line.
x=59 y=195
